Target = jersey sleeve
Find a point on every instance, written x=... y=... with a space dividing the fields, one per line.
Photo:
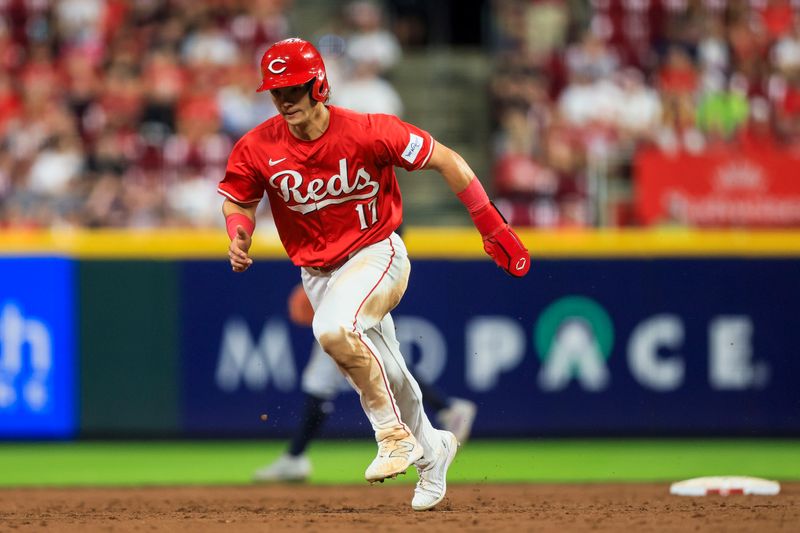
x=241 y=183
x=401 y=144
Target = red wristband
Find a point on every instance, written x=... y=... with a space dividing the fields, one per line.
x=238 y=219
x=473 y=197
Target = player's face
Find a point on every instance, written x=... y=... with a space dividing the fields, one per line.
x=293 y=103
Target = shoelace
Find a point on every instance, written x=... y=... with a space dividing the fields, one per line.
x=422 y=473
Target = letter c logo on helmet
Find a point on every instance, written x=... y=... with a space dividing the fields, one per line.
x=277 y=70
x=294 y=62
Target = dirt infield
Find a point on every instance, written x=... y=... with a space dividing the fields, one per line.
x=591 y=507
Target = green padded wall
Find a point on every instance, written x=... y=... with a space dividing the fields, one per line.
x=129 y=353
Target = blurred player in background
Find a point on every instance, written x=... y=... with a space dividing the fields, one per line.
x=322 y=382
x=329 y=176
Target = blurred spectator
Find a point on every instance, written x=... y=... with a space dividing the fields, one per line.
x=359 y=53
x=10 y=102
x=55 y=166
x=209 y=43
x=261 y=24
x=591 y=59
x=368 y=40
x=639 y=113
x=82 y=85
x=712 y=51
x=588 y=101
x=78 y=21
x=545 y=26
x=332 y=48
x=677 y=82
x=240 y=107
x=525 y=189
x=786 y=52
x=194 y=158
x=366 y=92
x=721 y=110
x=564 y=154
x=776 y=17
x=787 y=108
x=121 y=101
x=164 y=82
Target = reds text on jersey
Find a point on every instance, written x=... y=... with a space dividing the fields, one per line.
x=333 y=195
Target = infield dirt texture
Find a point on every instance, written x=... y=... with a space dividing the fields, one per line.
x=468 y=507
x=521 y=485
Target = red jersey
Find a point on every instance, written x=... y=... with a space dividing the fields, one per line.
x=333 y=195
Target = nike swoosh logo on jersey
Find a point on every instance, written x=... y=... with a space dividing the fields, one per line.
x=273 y=163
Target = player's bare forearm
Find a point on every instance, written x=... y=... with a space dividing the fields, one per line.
x=240 y=220
x=455 y=171
x=229 y=207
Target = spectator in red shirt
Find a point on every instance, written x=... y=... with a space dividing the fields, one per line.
x=788 y=111
x=10 y=102
x=677 y=82
x=777 y=17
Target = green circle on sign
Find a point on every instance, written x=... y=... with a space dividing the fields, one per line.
x=571 y=308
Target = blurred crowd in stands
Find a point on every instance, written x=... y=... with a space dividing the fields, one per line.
x=122 y=113
x=579 y=86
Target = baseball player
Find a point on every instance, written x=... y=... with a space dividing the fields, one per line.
x=322 y=382
x=329 y=175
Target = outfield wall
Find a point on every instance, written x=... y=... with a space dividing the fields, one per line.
x=634 y=333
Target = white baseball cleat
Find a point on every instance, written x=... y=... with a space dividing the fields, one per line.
x=432 y=484
x=394 y=457
x=458 y=418
x=286 y=468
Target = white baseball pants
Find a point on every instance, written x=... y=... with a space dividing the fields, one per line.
x=353 y=325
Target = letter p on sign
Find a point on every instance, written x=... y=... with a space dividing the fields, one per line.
x=494 y=344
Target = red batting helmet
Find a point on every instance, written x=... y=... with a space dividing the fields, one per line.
x=294 y=62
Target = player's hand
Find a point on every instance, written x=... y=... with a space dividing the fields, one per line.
x=237 y=251
x=504 y=246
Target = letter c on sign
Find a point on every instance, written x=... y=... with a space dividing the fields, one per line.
x=277 y=70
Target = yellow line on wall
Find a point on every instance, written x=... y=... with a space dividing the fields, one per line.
x=465 y=242
x=126 y=244
x=444 y=243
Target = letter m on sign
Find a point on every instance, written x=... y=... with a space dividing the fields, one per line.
x=243 y=362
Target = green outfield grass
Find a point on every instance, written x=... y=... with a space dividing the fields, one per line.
x=489 y=461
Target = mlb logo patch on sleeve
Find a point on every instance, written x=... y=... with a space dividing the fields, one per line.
x=412 y=149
